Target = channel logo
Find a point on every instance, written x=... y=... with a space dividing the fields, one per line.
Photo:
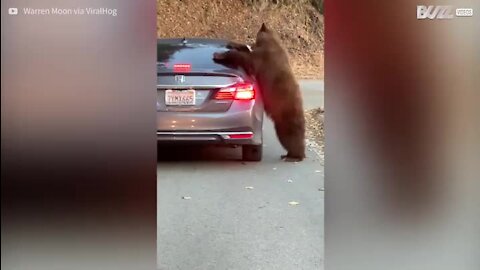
x=13 y=11
x=434 y=12
x=442 y=12
x=464 y=12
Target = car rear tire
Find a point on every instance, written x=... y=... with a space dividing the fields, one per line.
x=252 y=152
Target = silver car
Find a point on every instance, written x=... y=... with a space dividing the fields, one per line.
x=200 y=101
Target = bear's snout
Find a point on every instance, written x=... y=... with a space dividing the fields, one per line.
x=218 y=56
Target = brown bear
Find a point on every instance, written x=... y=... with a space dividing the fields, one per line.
x=268 y=62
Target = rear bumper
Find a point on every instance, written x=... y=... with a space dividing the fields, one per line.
x=241 y=120
x=207 y=137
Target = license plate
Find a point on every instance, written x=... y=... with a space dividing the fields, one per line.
x=180 y=97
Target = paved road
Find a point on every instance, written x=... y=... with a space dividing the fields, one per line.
x=224 y=225
x=312 y=93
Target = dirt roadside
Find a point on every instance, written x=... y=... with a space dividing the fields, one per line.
x=315 y=129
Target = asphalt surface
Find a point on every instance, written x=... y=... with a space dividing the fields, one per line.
x=312 y=91
x=216 y=212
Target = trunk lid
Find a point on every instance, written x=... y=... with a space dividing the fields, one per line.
x=193 y=86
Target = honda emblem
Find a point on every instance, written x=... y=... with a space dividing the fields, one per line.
x=179 y=78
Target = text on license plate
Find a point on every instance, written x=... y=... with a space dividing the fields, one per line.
x=180 y=97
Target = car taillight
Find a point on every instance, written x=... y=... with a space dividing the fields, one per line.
x=245 y=91
x=241 y=91
x=226 y=93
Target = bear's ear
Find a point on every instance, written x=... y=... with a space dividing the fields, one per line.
x=263 y=28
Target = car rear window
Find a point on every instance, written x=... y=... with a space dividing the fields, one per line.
x=199 y=56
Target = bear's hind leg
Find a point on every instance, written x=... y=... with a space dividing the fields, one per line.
x=291 y=135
